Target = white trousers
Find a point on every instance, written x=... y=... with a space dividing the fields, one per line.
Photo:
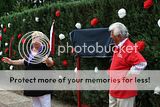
x=42 y=101
x=116 y=102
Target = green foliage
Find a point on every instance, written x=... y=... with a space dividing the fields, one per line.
x=142 y=25
x=6 y=6
x=12 y=6
x=64 y=24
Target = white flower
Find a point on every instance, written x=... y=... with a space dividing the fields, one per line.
x=75 y=70
x=7 y=13
x=78 y=26
x=158 y=22
x=35 y=1
x=61 y=36
x=37 y=19
x=9 y=25
x=24 y=20
x=1 y=25
x=6 y=44
x=96 y=69
x=157 y=90
x=1 y=53
x=11 y=67
x=40 y=1
x=122 y=13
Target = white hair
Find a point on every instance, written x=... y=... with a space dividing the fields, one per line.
x=119 y=29
x=36 y=34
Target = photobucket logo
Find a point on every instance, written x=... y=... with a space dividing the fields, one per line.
x=85 y=48
x=96 y=48
x=29 y=42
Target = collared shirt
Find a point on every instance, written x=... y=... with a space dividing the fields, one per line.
x=121 y=43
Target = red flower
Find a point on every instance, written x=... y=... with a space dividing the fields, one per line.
x=148 y=4
x=19 y=36
x=94 y=21
x=141 y=45
x=65 y=63
x=4 y=29
x=58 y=13
x=0 y=37
x=6 y=50
x=23 y=41
x=2 y=59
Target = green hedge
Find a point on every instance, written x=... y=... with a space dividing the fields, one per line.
x=86 y=10
x=142 y=25
x=12 y=6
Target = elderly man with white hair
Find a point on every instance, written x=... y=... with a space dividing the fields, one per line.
x=125 y=60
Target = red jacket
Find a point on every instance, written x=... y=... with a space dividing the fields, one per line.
x=124 y=59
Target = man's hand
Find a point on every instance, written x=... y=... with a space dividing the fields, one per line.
x=137 y=69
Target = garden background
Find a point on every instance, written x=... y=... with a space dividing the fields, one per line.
x=19 y=17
